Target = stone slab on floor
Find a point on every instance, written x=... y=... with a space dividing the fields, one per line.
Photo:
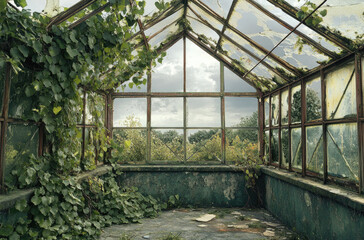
x=229 y=224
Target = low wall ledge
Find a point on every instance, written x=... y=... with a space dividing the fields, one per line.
x=340 y=195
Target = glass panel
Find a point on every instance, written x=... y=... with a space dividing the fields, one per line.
x=342 y=151
x=2 y=86
x=266 y=146
x=340 y=92
x=220 y=7
x=296 y=148
x=313 y=99
x=241 y=112
x=159 y=26
x=241 y=145
x=20 y=105
x=40 y=5
x=130 y=112
x=203 y=71
x=284 y=107
x=150 y=7
x=168 y=76
x=21 y=142
x=167 y=112
x=203 y=112
x=275 y=110
x=131 y=145
x=200 y=28
x=95 y=108
x=233 y=83
x=163 y=36
x=266 y=111
x=314 y=149
x=275 y=146
x=89 y=162
x=167 y=145
x=130 y=86
x=296 y=104
x=211 y=20
x=203 y=145
x=285 y=147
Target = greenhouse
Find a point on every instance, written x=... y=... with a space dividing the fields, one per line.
x=114 y=112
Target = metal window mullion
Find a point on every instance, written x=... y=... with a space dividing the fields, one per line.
x=184 y=103
x=270 y=131
x=149 y=119
x=324 y=125
x=4 y=126
x=279 y=130
x=83 y=129
x=359 y=107
x=261 y=126
x=303 y=127
x=289 y=128
x=223 y=133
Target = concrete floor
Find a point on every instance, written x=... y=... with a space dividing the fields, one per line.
x=229 y=224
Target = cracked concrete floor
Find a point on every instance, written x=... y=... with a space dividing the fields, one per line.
x=229 y=223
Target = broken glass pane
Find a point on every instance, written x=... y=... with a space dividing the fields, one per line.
x=203 y=71
x=296 y=148
x=211 y=20
x=340 y=92
x=203 y=145
x=21 y=141
x=130 y=112
x=296 y=104
x=167 y=145
x=275 y=109
x=275 y=146
x=164 y=36
x=241 y=112
x=342 y=151
x=313 y=99
x=168 y=76
x=95 y=108
x=233 y=83
x=220 y=7
x=241 y=145
x=314 y=149
x=160 y=25
x=167 y=112
x=284 y=107
x=266 y=111
x=131 y=145
x=203 y=112
x=285 y=147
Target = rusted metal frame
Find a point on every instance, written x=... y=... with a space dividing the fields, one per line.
x=298 y=32
x=184 y=101
x=291 y=11
x=141 y=27
x=149 y=119
x=261 y=125
x=165 y=14
x=83 y=129
x=184 y=94
x=222 y=114
x=303 y=127
x=324 y=125
x=93 y=13
x=81 y=5
x=271 y=51
x=208 y=50
x=208 y=10
x=289 y=128
x=226 y=22
x=221 y=34
x=161 y=30
x=4 y=125
x=270 y=129
x=280 y=130
x=359 y=109
x=327 y=67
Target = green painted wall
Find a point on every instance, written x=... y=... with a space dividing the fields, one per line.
x=311 y=214
x=198 y=189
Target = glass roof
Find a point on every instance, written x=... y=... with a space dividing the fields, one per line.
x=263 y=40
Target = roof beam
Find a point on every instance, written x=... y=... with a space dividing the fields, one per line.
x=166 y=13
x=323 y=31
x=289 y=27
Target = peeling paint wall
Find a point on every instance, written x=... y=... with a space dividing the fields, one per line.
x=199 y=189
x=311 y=214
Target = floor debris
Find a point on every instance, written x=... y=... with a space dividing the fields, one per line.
x=205 y=218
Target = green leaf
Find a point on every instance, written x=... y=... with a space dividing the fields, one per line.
x=36 y=200
x=56 y=110
x=47 y=39
x=21 y=3
x=73 y=36
x=21 y=205
x=54 y=51
x=37 y=45
x=3 y=5
x=15 y=53
x=323 y=12
x=29 y=91
x=127 y=143
x=6 y=230
x=24 y=50
x=72 y=52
